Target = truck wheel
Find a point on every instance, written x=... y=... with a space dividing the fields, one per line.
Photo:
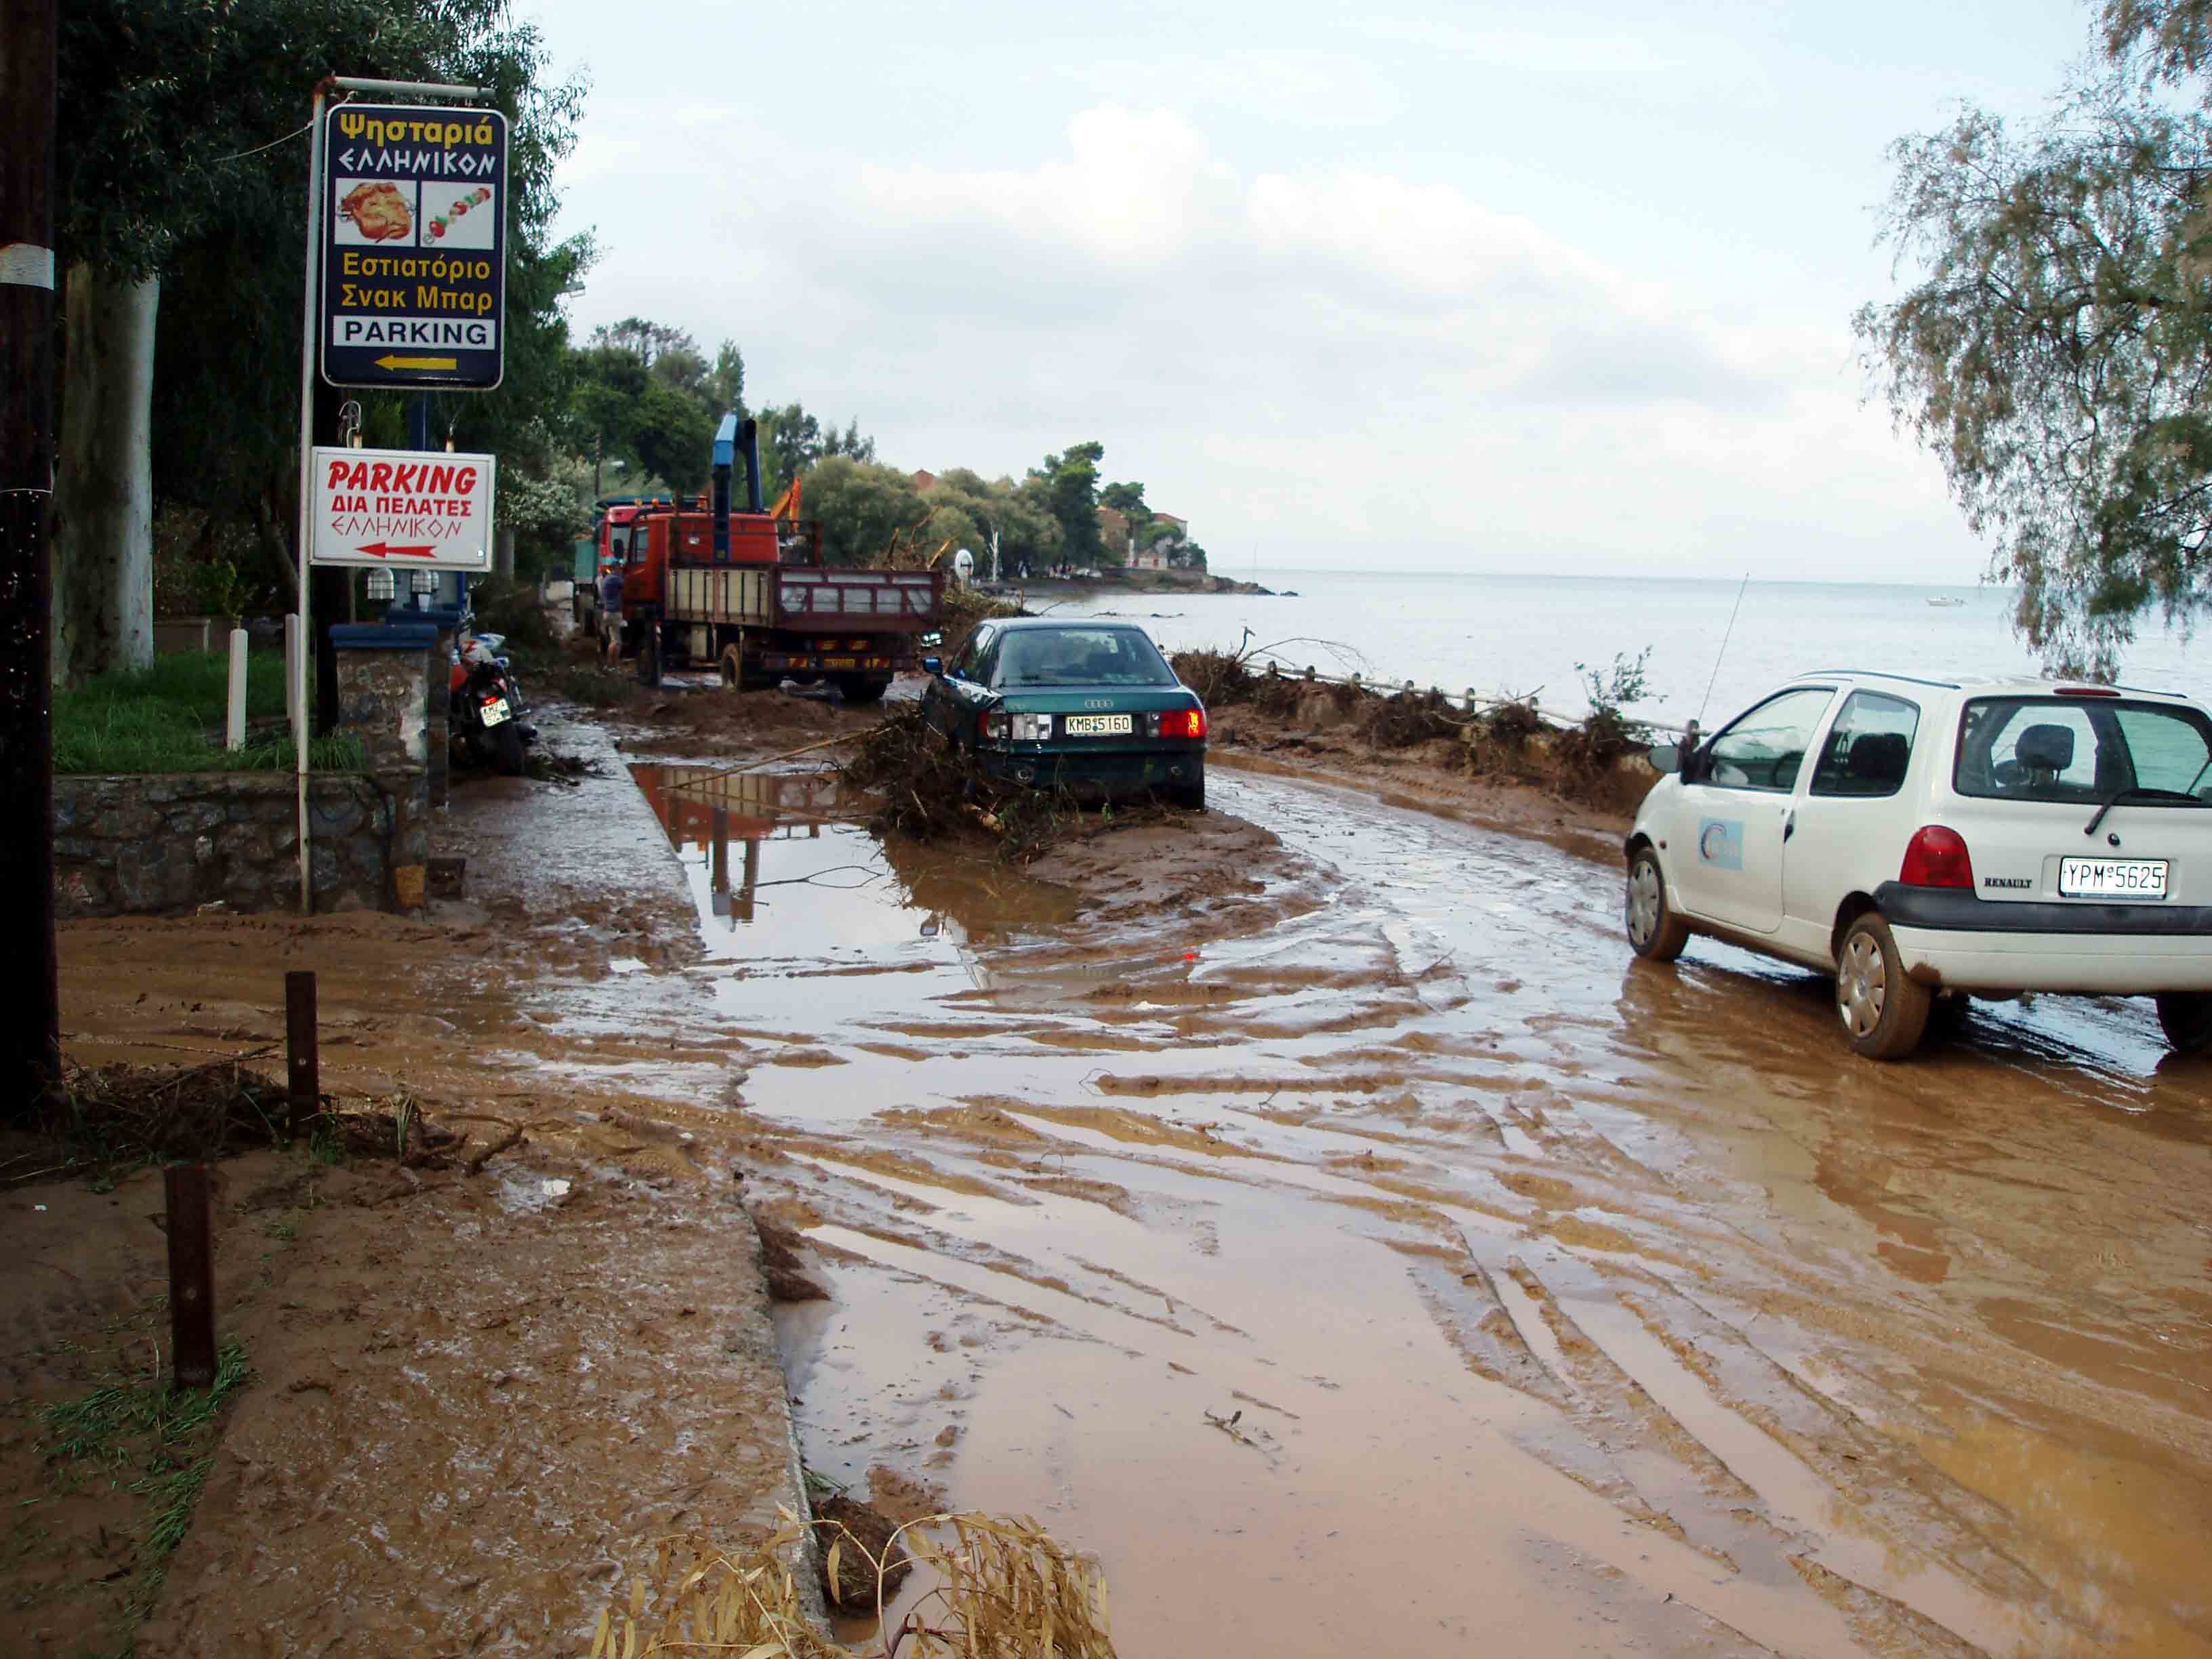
x=863 y=688
x=1654 y=931
x=734 y=669
x=1884 y=1013
x=2185 y=1016
x=648 y=656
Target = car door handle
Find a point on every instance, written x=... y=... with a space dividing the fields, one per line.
x=1788 y=824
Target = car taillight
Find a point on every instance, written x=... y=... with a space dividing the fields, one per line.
x=991 y=726
x=1180 y=723
x=1937 y=857
x=2085 y=691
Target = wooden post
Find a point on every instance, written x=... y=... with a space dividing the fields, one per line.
x=304 y=1064
x=192 y=1275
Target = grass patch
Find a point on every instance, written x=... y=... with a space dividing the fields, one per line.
x=169 y=718
x=138 y=1433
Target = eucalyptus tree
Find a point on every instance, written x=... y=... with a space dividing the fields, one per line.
x=2055 y=349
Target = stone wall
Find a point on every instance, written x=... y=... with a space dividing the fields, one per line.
x=178 y=841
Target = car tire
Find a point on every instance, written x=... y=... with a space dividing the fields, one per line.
x=1191 y=796
x=1885 y=1014
x=2185 y=1016
x=1654 y=931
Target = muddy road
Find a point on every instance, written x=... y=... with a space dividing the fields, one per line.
x=1368 y=1255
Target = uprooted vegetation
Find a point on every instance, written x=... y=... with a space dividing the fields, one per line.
x=115 y=1117
x=1004 y=1587
x=929 y=790
x=1506 y=739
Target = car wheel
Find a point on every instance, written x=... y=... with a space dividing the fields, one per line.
x=1191 y=796
x=2185 y=1016
x=1654 y=931
x=1884 y=1013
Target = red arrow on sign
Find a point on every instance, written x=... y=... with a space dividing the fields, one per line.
x=381 y=551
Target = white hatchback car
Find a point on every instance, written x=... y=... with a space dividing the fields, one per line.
x=1926 y=839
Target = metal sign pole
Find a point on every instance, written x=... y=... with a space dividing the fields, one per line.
x=297 y=668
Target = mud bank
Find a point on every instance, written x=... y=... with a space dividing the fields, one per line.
x=475 y=1401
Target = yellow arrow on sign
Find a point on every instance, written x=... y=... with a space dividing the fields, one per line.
x=418 y=362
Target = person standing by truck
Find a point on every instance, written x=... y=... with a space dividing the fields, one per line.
x=610 y=614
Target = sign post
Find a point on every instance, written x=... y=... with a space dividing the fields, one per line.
x=413 y=320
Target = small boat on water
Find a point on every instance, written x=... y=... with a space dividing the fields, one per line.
x=1946 y=601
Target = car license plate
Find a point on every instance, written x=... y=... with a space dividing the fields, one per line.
x=1100 y=726
x=495 y=711
x=2112 y=879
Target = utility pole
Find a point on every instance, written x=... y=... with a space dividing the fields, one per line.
x=30 y=1015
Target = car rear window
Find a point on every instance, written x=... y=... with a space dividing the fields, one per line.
x=2082 y=750
x=1080 y=656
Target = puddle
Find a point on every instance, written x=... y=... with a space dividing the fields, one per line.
x=779 y=866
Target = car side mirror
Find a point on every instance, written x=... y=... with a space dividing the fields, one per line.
x=933 y=665
x=1666 y=757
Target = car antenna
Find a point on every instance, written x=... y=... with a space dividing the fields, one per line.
x=1723 y=652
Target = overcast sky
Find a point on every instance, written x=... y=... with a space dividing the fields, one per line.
x=1484 y=287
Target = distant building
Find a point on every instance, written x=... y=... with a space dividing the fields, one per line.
x=1156 y=556
x=925 y=481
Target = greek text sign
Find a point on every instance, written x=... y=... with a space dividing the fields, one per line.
x=402 y=508
x=413 y=290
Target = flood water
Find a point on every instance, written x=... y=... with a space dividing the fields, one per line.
x=1714 y=646
x=1415 y=1272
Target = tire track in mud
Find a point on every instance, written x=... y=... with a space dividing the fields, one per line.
x=1580 y=1305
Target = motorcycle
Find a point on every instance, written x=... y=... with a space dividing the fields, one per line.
x=484 y=707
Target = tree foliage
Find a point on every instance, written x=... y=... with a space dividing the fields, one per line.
x=2055 y=351
x=792 y=442
x=181 y=154
x=863 y=508
x=1070 y=482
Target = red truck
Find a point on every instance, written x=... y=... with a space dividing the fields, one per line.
x=747 y=593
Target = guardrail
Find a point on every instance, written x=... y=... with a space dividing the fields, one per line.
x=1474 y=701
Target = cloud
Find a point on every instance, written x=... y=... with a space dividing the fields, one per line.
x=1368 y=365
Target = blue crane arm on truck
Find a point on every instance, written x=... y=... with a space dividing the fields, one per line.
x=707 y=585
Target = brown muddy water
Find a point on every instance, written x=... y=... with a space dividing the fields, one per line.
x=1390 y=1263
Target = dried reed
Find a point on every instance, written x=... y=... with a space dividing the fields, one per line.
x=1005 y=1590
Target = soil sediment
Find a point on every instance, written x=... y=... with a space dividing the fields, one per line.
x=1324 y=1155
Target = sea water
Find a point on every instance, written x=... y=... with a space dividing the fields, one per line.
x=1521 y=634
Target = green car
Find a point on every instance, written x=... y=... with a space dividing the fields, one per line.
x=1090 y=706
